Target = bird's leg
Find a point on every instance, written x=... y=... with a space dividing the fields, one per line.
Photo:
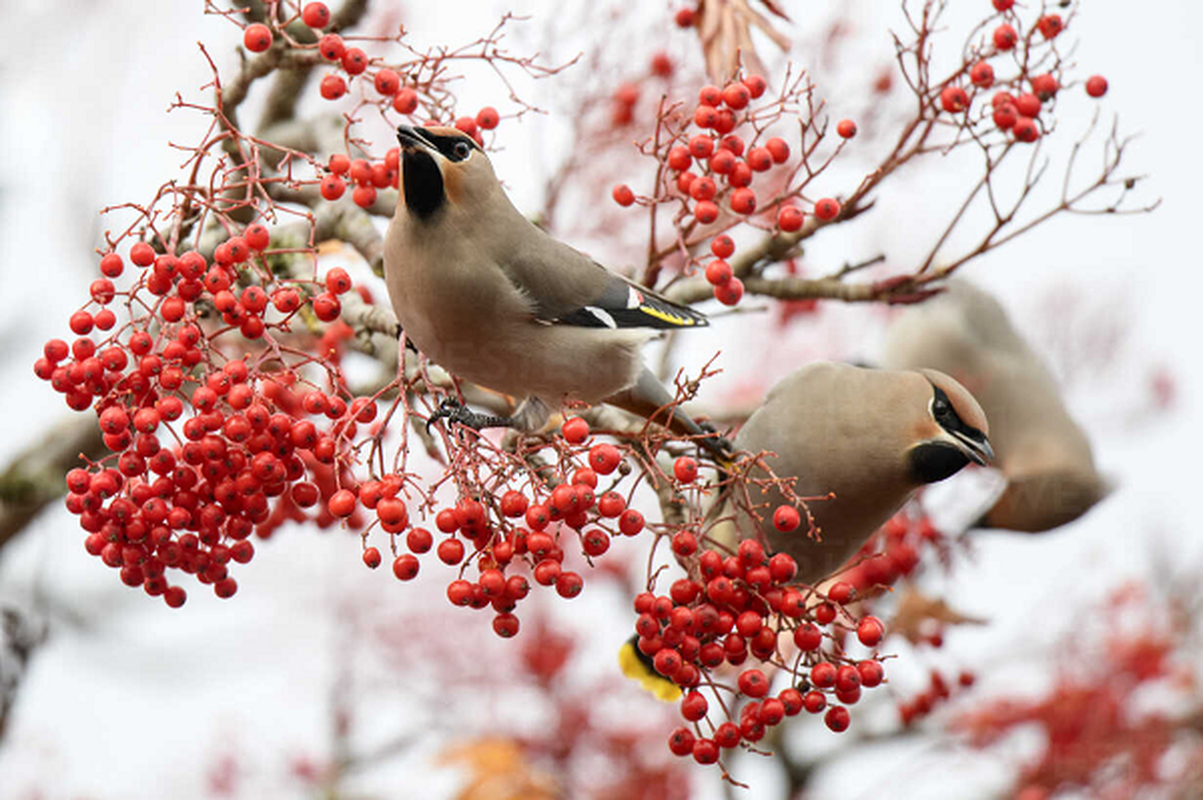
x=455 y=411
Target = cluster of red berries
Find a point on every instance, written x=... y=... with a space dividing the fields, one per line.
x=366 y=176
x=626 y=96
x=206 y=449
x=1017 y=111
x=739 y=606
x=894 y=552
x=925 y=702
x=505 y=532
x=721 y=155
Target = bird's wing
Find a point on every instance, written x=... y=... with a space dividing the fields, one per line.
x=566 y=287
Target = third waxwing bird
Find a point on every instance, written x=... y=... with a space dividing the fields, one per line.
x=1044 y=455
x=497 y=301
x=871 y=436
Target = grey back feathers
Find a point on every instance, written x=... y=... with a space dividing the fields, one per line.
x=1043 y=453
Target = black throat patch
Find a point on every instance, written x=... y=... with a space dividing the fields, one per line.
x=934 y=461
x=424 y=193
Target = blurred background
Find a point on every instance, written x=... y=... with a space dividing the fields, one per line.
x=321 y=679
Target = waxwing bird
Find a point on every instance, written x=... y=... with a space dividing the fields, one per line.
x=497 y=301
x=871 y=437
x=1044 y=455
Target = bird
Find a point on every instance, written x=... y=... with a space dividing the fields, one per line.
x=869 y=437
x=1045 y=456
x=496 y=300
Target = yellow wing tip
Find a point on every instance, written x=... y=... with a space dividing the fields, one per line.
x=639 y=671
x=675 y=319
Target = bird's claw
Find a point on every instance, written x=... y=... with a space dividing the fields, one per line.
x=455 y=411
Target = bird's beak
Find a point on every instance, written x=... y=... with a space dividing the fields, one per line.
x=413 y=138
x=979 y=451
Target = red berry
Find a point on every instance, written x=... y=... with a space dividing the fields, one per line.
x=790 y=218
x=823 y=674
x=871 y=673
x=569 y=585
x=753 y=683
x=736 y=96
x=371 y=557
x=705 y=751
x=342 y=503
x=706 y=116
x=631 y=522
x=846 y=128
x=954 y=99
x=827 y=209
x=722 y=162
x=693 y=705
x=419 y=540
x=786 y=519
x=743 y=201
x=679 y=158
x=405 y=101
x=705 y=211
x=701 y=146
x=333 y=87
x=841 y=592
x=814 y=702
x=111 y=265
x=1050 y=25
x=575 y=430
x=1005 y=116
x=257 y=236
x=685 y=18
x=1045 y=86
x=718 y=272
x=387 y=82
x=703 y=188
x=315 y=15
x=1096 y=86
x=332 y=187
x=405 y=567
x=354 y=61
x=488 y=118
x=257 y=37
x=142 y=254
x=1025 y=130
x=623 y=195
x=662 y=64
x=1005 y=37
x=450 y=551
x=1028 y=105
x=982 y=74
x=730 y=293
x=756 y=85
x=364 y=196
x=837 y=719
x=1003 y=5
x=778 y=149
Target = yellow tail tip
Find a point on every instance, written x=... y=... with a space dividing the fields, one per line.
x=638 y=667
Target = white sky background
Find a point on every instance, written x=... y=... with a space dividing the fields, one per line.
x=142 y=701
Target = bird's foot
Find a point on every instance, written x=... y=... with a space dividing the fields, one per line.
x=718 y=446
x=455 y=411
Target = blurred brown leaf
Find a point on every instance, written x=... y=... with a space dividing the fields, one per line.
x=499 y=771
x=917 y=614
x=725 y=30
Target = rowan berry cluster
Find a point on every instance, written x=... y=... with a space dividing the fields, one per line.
x=714 y=168
x=745 y=606
x=1028 y=90
x=500 y=536
x=894 y=552
x=206 y=447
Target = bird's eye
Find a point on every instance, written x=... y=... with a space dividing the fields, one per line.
x=940 y=407
x=462 y=150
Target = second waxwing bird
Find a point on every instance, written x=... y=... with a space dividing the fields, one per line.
x=494 y=299
x=872 y=437
x=1044 y=455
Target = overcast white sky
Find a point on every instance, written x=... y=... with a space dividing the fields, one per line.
x=140 y=702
